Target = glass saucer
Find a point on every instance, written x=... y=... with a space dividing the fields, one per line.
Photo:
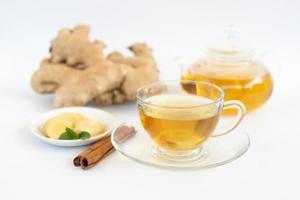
x=215 y=151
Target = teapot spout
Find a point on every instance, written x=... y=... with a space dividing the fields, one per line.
x=182 y=64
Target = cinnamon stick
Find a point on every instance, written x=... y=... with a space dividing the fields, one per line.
x=91 y=156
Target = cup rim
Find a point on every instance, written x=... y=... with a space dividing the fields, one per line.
x=220 y=98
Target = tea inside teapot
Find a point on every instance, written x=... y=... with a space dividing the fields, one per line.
x=230 y=65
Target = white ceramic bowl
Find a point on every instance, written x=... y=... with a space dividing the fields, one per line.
x=93 y=113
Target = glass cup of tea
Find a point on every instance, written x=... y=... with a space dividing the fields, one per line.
x=180 y=116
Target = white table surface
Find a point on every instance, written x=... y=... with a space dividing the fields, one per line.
x=30 y=169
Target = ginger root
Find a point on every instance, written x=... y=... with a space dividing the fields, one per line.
x=77 y=72
x=74 y=48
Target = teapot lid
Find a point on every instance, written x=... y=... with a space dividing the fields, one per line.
x=229 y=48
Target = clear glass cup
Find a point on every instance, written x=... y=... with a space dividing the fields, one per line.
x=180 y=116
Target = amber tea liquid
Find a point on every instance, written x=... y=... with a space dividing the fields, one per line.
x=252 y=88
x=179 y=128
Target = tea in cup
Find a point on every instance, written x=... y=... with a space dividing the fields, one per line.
x=180 y=116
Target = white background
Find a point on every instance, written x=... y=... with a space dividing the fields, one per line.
x=32 y=169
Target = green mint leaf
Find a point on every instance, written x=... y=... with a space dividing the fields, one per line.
x=65 y=136
x=71 y=134
x=84 y=135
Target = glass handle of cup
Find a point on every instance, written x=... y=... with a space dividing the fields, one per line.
x=239 y=106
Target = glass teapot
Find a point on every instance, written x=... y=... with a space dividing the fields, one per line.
x=233 y=66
